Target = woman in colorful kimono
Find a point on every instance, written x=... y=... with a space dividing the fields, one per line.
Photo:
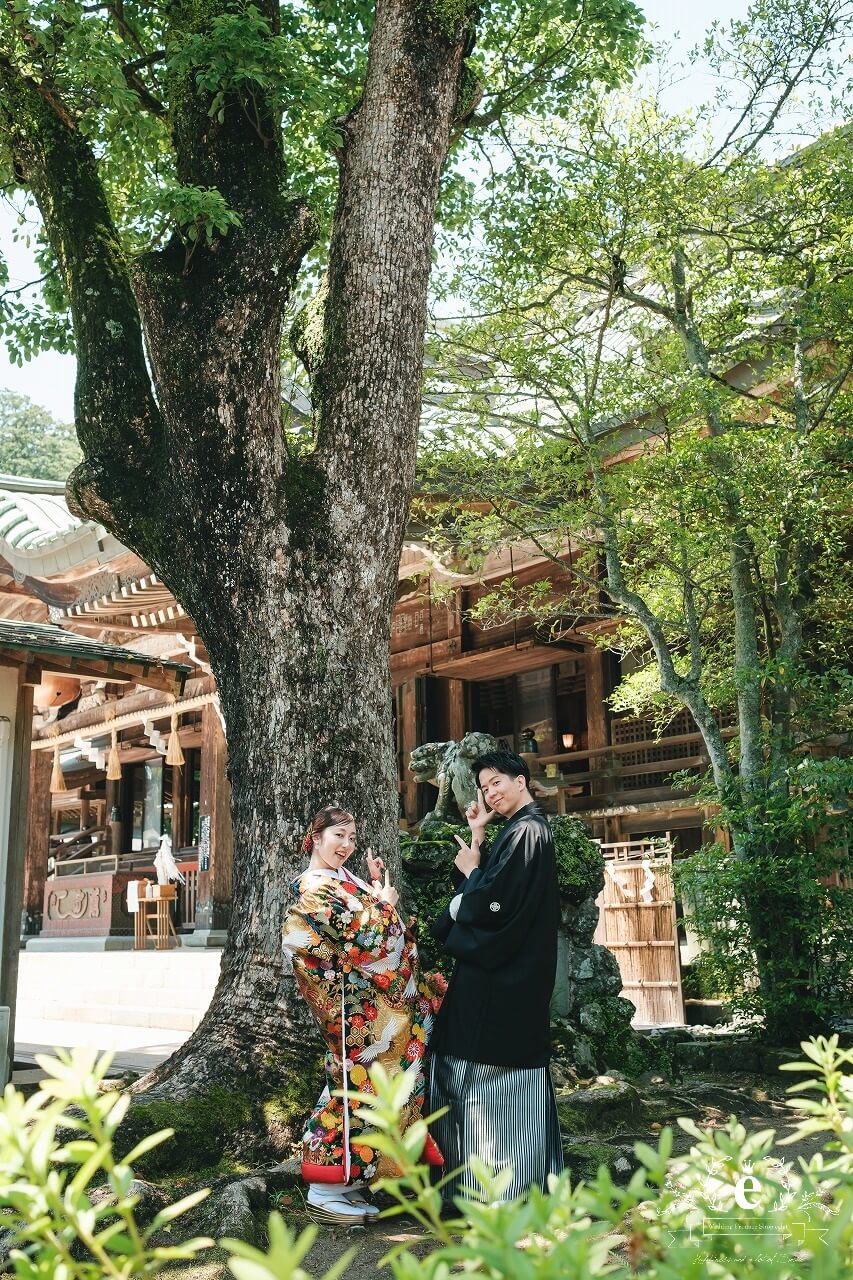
x=356 y=964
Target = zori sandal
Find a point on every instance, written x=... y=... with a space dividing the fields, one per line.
x=353 y=1194
x=330 y=1204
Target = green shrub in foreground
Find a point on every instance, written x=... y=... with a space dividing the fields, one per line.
x=47 y=1180
x=678 y=1218
x=730 y=1209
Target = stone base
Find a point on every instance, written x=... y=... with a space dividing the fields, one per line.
x=205 y=938
x=108 y=943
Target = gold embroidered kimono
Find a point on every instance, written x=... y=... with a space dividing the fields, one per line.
x=357 y=967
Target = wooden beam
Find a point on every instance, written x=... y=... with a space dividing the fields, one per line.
x=456 y=709
x=29 y=672
x=102 y=727
x=106 y=669
x=597 y=727
x=421 y=660
x=38 y=841
x=486 y=664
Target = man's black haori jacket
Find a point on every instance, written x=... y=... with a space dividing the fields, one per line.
x=504 y=939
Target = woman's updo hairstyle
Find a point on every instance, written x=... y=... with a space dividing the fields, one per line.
x=331 y=815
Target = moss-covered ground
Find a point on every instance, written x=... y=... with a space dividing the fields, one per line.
x=757 y=1101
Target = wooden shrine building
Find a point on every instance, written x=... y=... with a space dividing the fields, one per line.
x=541 y=696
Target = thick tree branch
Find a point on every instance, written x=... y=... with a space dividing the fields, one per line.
x=216 y=318
x=368 y=374
x=117 y=420
x=240 y=155
x=741 y=551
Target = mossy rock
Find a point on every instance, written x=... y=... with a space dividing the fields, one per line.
x=599 y=1106
x=204 y=1126
x=584 y=1159
x=721 y=1056
x=601 y=1038
x=580 y=864
x=572 y=1123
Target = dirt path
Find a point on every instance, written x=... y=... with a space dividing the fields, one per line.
x=370 y=1243
x=758 y=1104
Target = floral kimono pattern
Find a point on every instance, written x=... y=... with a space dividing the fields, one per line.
x=357 y=966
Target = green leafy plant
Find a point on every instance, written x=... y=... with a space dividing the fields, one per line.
x=48 y=1178
x=678 y=1216
x=428 y=856
x=196 y=214
x=730 y=1207
x=282 y=1261
x=796 y=876
x=580 y=865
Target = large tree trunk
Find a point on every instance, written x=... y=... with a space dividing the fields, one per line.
x=288 y=564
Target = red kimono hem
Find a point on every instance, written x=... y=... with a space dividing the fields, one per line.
x=323 y=1172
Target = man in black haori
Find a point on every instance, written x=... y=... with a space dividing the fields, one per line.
x=490 y=1047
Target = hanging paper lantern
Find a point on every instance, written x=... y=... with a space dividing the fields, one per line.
x=174 y=754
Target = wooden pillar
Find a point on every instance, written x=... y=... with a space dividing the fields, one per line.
x=597 y=729
x=613 y=828
x=11 y=908
x=114 y=825
x=37 y=842
x=215 y=835
x=408 y=741
x=179 y=814
x=456 y=709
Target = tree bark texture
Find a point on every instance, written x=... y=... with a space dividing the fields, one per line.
x=287 y=564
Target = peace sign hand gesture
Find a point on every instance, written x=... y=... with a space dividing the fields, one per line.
x=375 y=866
x=478 y=815
x=383 y=889
x=468 y=857
x=386 y=892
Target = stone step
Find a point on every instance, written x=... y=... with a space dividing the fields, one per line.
x=35 y=997
x=132 y=988
x=133 y=1015
x=134 y=1048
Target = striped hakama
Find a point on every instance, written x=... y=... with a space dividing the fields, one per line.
x=504 y=1115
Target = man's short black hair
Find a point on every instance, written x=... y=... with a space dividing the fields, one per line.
x=502 y=762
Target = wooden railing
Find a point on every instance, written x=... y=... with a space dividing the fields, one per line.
x=76 y=844
x=139 y=864
x=610 y=779
x=98 y=864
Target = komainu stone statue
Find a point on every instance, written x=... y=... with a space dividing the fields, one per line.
x=447 y=765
